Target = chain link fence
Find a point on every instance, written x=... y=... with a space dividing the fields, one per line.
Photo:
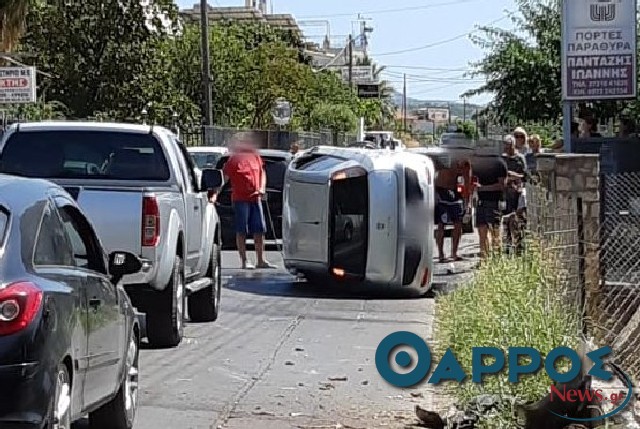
x=617 y=323
x=268 y=139
x=592 y=237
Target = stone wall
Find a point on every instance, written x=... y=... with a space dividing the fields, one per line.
x=564 y=210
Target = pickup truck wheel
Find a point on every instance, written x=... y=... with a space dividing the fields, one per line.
x=120 y=412
x=204 y=305
x=165 y=320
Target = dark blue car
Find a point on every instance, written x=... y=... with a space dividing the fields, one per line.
x=69 y=338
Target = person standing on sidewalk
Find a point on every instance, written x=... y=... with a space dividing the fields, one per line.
x=245 y=172
x=521 y=141
x=491 y=172
x=449 y=207
x=517 y=170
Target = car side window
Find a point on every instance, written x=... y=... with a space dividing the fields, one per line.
x=52 y=247
x=190 y=166
x=86 y=249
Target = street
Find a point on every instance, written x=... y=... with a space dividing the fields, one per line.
x=287 y=355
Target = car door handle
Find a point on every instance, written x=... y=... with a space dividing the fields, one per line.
x=95 y=303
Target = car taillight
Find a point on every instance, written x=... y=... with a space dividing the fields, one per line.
x=19 y=305
x=150 y=222
x=426 y=278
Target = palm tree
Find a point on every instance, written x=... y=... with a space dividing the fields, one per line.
x=12 y=22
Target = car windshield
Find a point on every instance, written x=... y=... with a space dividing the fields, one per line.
x=84 y=154
x=205 y=159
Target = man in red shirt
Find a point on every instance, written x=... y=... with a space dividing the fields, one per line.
x=245 y=172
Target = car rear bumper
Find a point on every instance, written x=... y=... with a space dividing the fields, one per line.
x=24 y=396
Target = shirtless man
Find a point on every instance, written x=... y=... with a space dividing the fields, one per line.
x=449 y=203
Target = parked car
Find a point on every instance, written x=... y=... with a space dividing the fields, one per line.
x=206 y=156
x=276 y=162
x=139 y=188
x=69 y=338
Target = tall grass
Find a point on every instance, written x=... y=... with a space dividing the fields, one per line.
x=511 y=302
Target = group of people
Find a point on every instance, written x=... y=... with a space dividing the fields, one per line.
x=501 y=194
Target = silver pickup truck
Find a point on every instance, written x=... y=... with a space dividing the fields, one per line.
x=138 y=187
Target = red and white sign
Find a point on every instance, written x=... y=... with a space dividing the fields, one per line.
x=17 y=85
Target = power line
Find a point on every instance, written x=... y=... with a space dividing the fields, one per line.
x=427 y=68
x=385 y=11
x=442 y=42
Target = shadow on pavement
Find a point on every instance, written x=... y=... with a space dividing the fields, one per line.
x=285 y=285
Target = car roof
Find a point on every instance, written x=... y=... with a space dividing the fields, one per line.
x=19 y=193
x=207 y=149
x=271 y=153
x=84 y=126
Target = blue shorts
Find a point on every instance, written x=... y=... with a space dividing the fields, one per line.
x=248 y=218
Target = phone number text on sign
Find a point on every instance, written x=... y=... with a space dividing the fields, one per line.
x=599 y=50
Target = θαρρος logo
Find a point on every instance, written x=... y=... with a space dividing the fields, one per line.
x=414 y=370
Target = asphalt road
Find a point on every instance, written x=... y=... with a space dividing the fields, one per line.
x=287 y=355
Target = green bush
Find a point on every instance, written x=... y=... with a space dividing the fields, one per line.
x=510 y=302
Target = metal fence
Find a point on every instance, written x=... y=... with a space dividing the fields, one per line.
x=617 y=322
x=268 y=139
x=596 y=248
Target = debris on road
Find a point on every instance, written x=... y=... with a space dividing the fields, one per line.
x=289 y=363
x=299 y=349
x=326 y=386
x=429 y=419
x=417 y=395
x=264 y=413
x=365 y=383
x=339 y=378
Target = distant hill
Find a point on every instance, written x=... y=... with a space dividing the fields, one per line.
x=457 y=107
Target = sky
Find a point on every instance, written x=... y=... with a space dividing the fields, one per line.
x=428 y=40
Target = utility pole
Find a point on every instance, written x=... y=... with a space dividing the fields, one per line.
x=350 y=48
x=404 y=103
x=464 y=110
x=207 y=111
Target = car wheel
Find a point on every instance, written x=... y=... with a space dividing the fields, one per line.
x=165 y=321
x=61 y=402
x=204 y=305
x=120 y=412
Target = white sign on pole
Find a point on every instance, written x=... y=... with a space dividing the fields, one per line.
x=359 y=74
x=282 y=112
x=17 y=85
x=599 y=50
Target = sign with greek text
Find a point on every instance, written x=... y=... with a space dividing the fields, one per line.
x=599 y=50
x=17 y=85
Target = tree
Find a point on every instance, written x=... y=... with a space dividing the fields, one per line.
x=337 y=118
x=98 y=52
x=12 y=21
x=523 y=68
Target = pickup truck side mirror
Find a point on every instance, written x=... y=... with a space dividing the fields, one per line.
x=122 y=264
x=211 y=179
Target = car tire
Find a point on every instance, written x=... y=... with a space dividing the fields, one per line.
x=120 y=412
x=165 y=320
x=60 y=407
x=204 y=305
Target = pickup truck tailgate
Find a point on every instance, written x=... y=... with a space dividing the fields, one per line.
x=115 y=214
